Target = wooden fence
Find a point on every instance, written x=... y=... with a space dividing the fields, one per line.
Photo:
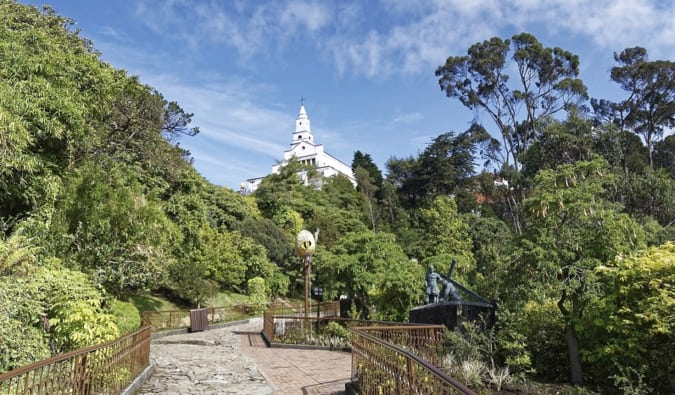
x=102 y=369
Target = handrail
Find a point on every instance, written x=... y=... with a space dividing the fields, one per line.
x=400 y=360
x=173 y=319
x=325 y=309
x=103 y=368
x=381 y=367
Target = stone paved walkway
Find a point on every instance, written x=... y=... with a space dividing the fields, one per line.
x=233 y=360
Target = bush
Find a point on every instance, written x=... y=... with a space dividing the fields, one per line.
x=256 y=291
x=20 y=345
x=127 y=316
x=541 y=322
x=336 y=330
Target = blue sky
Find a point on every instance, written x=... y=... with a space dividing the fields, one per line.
x=365 y=68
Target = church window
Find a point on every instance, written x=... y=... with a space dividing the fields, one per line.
x=299 y=137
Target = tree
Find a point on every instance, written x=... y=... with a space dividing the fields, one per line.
x=650 y=194
x=445 y=167
x=493 y=248
x=572 y=231
x=547 y=83
x=366 y=162
x=560 y=143
x=650 y=106
x=114 y=232
x=632 y=324
x=446 y=238
x=620 y=148
x=664 y=155
x=446 y=164
x=402 y=174
x=373 y=270
x=279 y=245
x=52 y=89
x=369 y=191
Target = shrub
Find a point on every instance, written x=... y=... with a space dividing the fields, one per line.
x=127 y=316
x=336 y=330
x=256 y=291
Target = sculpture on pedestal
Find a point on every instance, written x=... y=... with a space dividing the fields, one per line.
x=432 y=280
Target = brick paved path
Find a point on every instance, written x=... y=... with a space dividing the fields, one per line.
x=292 y=371
x=234 y=360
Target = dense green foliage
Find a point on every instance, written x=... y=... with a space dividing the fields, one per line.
x=570 y=235
x=97 y=203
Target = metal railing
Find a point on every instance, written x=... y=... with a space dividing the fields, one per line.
x=174 y=319
x=277 y=319
x=387 y=357
x=380 y=367
x=102 y=369
x=425 y=340
x=324 y=309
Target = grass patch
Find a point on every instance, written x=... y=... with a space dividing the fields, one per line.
x=159 y=302
x=152 y=303
x=224 y=298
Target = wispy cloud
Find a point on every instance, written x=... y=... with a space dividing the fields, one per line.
x=409 y=117
x=611 y=24
x=247 y=27
x=230 y=115
x=405 y=37
x=436 y=29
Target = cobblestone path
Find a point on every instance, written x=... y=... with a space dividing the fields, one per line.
x=234 y=360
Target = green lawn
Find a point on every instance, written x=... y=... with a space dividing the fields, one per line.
x=152 y=303
x=160 y=303
x=227 y=299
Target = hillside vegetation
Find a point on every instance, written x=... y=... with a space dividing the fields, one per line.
x=571 y=237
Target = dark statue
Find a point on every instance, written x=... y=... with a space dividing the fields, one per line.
x=432 y=280
x=446 y=307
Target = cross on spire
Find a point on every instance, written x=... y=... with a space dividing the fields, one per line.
x=302 y=100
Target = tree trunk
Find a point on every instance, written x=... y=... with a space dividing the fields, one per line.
x=573 y=353
x=571 y=336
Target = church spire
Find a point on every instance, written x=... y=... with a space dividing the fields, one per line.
x=302 y=130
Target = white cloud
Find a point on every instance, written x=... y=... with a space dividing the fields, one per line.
x=228 y=116
x=402 y=36
x=250 y=29
x=434 y=30
x=408 y=117
x=300 y=15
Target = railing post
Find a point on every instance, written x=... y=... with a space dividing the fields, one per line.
x=411 y=375
x=81 y=379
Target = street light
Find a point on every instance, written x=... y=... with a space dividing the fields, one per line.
x=305 y=246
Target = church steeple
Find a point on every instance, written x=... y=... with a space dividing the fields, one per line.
x=302 y=129
x=307 y=152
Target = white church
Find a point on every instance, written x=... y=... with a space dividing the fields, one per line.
x=306 y=151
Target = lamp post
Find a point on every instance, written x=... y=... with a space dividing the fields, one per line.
x=305 y=246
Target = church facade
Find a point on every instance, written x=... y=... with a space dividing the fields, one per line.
x=306 y=151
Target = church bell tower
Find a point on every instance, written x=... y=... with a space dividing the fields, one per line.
x=302 y=133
